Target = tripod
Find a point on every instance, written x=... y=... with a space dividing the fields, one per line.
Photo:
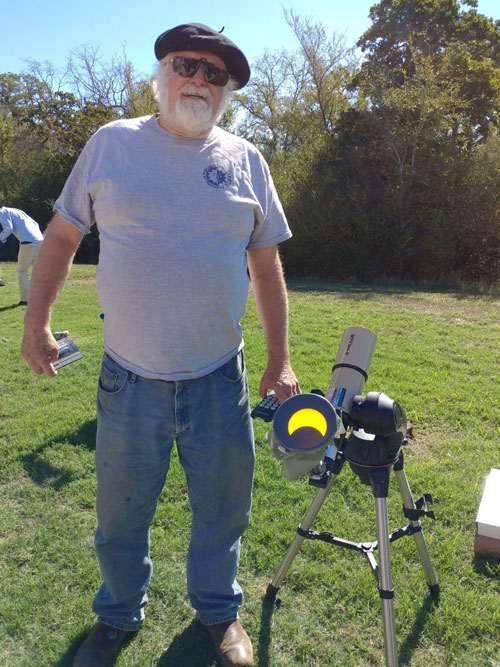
x=371 y=450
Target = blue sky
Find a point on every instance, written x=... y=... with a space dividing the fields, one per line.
x=47 y=30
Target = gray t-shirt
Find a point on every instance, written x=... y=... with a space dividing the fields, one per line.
x=175 y=217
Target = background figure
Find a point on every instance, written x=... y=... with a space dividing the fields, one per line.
x=27 y=231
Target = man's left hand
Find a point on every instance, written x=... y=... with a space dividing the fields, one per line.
x=281 y=379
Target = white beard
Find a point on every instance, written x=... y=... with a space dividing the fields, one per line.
x=193 y=108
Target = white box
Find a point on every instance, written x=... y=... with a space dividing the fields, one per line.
x=487 y=546
x=488 y=517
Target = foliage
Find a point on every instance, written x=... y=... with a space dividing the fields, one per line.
x=43 y=132
x=43 y=128
x=392 y=189
x=387 y=168
x=461 y=49
x=292 y=97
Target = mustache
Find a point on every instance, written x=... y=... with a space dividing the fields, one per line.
x=198 y=91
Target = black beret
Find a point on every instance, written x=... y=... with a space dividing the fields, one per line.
x=198 y=37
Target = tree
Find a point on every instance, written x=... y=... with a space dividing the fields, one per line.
x=404 y=29
x=328 y=66
x=430 y=81
x=292 y=97
x=113 y=84
x=476 y=257
x=101 y=82
x=47 y=116
x=42 y=132
x=462 y=48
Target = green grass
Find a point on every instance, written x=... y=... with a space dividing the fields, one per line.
x=438 y=355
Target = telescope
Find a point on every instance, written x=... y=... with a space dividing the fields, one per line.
x=309 y=428
x=316 y=434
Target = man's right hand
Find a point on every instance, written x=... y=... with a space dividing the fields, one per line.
x=51 y=269
x=39 y=349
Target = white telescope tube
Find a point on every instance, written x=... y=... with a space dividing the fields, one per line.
x=350 y=370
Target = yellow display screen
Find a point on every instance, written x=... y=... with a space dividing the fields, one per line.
x=307 y=417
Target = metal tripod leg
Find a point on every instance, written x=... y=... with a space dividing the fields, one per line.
x=294 y=547
x=385 y=583
x=404 y=489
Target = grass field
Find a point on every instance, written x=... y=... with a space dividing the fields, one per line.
x=438 y=355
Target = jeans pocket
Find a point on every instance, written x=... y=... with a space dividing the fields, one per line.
x=234 y=369
x=112 y=380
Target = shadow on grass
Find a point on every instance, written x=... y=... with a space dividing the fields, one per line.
x=42 y=471
x=66 y=660
x=192 y=647
x=14 y=305
x=268 y=606
x=487 y=566
x=413 y=637
x=406 y=651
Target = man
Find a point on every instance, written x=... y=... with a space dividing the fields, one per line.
x=26 y=230
x=183 y=209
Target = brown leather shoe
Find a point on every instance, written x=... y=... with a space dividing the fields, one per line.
x=231 y=642
x=101 y=646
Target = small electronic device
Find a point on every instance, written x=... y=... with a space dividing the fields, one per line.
x=266 y=409
x=68 y=351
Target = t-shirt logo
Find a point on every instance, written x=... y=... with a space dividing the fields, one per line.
x=217 y=177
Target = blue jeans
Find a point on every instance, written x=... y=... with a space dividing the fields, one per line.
x=138 y=421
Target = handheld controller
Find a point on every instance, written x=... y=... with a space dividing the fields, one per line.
x=266 y=409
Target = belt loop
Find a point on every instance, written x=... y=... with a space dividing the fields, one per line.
x=132 y=378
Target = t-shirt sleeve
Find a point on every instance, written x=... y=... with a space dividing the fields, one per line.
x=75 y=202
x=271 y=227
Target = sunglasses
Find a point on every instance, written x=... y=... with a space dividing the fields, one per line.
x=188 y=67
